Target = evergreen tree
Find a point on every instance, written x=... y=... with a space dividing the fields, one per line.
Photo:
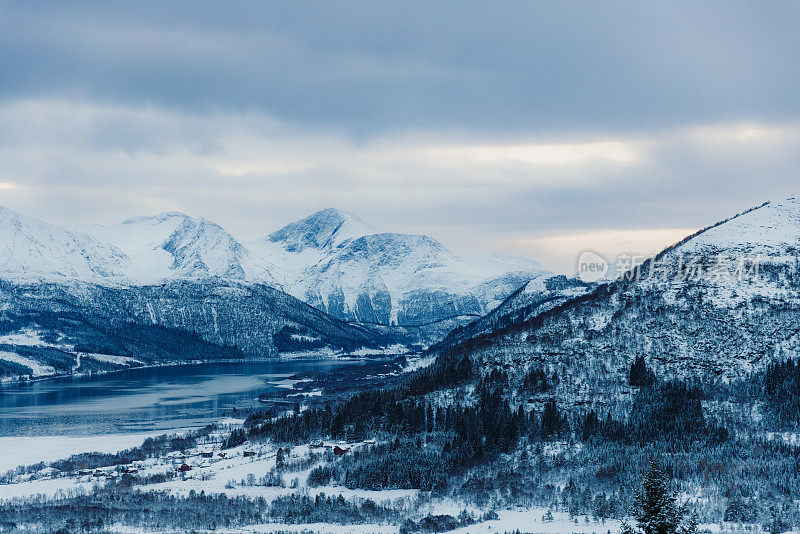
x=640 y=375
x=691 y=527
x=657 y=510
x=551 y=420
x=535 y=381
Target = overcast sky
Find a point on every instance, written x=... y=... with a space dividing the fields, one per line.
x=527 y=128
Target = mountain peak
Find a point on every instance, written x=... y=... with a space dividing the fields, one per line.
x=7 y=213
x=335 y=213
x=157 y=218
x=771 y=228
x=327 y=228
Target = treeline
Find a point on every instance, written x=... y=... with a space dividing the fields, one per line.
x=472 y=431
x=157 y=511
x=290 y=338
x=450 y=369
x=781 y=388
x=9 y=368
x=324 y=509
x=401 y=465
x=640 y=374
x=662 y=412
x=395 y=409
x=775 y=387
x=161 y=511
x=536 y=381
x=668 y=412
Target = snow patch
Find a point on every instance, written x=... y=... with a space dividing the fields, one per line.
x=37 y=369
x=108 y=358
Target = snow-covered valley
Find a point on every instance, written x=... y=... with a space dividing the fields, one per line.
x=258 y=470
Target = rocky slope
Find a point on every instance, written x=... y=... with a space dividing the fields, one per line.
x=48 y=328
x=715 y=306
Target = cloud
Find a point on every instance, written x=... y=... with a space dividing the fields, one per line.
x=544 y=154
x=745 y=132
x=69 y=160
x=375 y=68
x=563 y=250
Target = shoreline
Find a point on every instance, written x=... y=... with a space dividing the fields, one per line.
x=290 y=356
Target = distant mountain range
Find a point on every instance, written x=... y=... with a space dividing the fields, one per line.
x=332 y=260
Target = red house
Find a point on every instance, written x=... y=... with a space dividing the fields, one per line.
x=338 y=451
x=185 y=468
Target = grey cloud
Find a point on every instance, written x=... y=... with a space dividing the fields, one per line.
x=373 y=67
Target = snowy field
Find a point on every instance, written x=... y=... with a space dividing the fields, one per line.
x=27 y=450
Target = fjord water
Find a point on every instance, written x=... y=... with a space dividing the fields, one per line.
x=141 y=400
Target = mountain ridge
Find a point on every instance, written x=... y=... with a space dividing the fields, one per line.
x=331 y=259
x=69 y=328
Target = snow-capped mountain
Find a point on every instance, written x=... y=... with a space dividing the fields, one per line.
x=772 y=230
x=331 y=259
x=160 y=289
x=137 y=251
x=172 y=245
x=341 y=265
x=717 y=305
x=326 y=229
x=32 y=250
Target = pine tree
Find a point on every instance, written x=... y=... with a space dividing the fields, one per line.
x=691 y=527
x=657 y=510
x=551 y=421
x=640 y=375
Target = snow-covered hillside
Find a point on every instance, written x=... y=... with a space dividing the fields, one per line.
x=715 y=306
x=331 y=259
x=771 y=230
x=80 y=327
x=538 y=295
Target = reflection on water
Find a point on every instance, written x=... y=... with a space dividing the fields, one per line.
x=142 y=399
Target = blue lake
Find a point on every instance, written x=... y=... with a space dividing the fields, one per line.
x=137 y=400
